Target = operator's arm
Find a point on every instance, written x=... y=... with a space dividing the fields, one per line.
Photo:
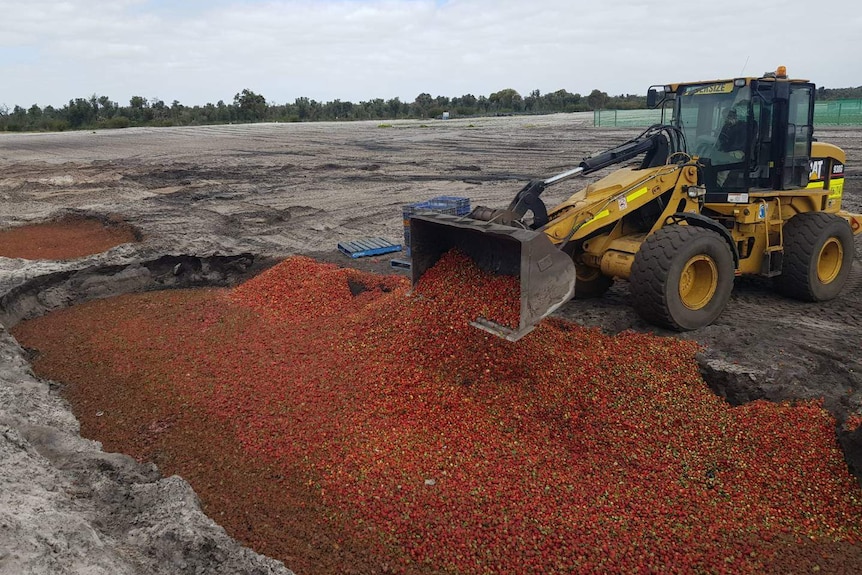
x=731 y=140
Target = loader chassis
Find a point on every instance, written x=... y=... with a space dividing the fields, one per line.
x=733 y=184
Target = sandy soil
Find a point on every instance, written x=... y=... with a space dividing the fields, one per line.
x=216 y=204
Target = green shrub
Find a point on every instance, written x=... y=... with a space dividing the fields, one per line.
x=57 y=126
x=118 y=122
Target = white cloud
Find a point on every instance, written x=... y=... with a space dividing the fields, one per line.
x=198 y=52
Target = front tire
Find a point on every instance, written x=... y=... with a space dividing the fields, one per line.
x=818 y=253
x=682 y=277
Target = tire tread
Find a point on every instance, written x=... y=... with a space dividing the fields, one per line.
x=651 y=269
x=801 y=235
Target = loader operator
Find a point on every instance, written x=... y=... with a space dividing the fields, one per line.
x=731 y=144
x=731 y=139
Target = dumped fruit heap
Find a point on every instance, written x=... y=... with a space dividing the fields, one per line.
x=437 y=447
x=67 y=238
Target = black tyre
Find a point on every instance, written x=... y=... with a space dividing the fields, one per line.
x=590 y=282
x=818 y=253
x=682 y=277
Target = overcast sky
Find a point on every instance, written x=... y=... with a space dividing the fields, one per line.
x=200 y=51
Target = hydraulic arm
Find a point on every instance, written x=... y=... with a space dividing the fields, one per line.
x=655 y=143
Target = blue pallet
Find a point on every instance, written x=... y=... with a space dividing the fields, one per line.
x=368 y=247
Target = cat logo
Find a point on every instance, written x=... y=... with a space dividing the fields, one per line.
x=816 y=170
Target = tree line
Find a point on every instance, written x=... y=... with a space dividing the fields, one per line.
x=100 y=112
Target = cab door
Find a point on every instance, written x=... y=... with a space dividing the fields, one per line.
x=800 y=131
x=784 y=112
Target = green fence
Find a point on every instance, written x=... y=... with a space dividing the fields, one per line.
x=838 y=113
x=829 y=113
x=626 y=118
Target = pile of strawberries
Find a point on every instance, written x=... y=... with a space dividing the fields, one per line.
x=66 y=238
x=429 y=446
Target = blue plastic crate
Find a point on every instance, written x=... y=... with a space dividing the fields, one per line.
x=368 y=247
x=452 y=205
x=461 y=206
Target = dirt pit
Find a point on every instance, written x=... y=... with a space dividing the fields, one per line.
x=65 y=238
x=217 y=204
x=361 y=430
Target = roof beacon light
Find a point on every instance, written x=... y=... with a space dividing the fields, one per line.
x=781 y=72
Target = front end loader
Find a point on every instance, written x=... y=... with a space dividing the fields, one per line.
x=733 y=184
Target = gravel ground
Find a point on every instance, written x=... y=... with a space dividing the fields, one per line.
x=215 y=205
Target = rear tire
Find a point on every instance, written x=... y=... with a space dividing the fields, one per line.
x=818 y=253
x=682 y=277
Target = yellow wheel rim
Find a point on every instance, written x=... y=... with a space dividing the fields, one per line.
x=829 y=260
x=698 y=282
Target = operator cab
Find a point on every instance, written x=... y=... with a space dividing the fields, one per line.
x=750 y=134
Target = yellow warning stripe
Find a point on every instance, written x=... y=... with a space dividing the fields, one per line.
x=629 y=198
x=635 y=195
x=836 y=189
x=601 y=214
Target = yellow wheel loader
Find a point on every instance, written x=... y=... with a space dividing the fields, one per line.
x=732 y=182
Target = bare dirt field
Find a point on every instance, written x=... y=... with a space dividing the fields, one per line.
x=214 y=205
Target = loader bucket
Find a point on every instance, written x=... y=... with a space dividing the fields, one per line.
x=547 y=275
